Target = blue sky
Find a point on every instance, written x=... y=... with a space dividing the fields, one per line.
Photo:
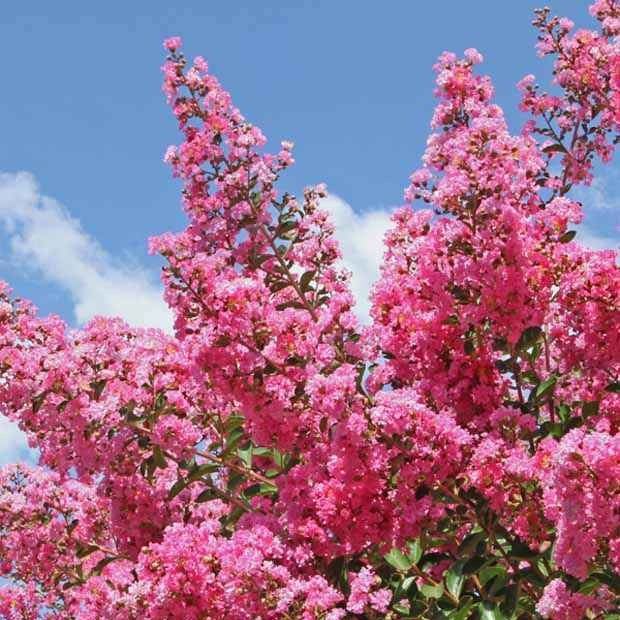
x=349 y=82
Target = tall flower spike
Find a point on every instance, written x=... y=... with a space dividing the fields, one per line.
x=253 y=280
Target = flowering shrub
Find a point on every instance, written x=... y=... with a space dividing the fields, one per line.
x=458 y=458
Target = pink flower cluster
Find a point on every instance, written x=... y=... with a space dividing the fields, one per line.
x=580 y=123
x=273 y=459
x=559 y=603
x=364 y=593
x=581 y=495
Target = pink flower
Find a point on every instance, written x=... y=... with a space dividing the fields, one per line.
x=473 y=55
x=173 y=43
x=526 y=82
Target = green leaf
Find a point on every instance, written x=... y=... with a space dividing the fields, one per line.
x=160 y=401
x=286 y=227
x=403 y=587
x=97 y=387
x=589 y=408
x=469 y=543
x=433 y=557
x=522 y=551
x=72 y=525
x=469 y=346
x=233 y=440
x=207 y=495
x=455 y=579
x=158 y=458
x=417 y=609
x=488 y=572
x=612 y=580
x=488 y=611
x=546 y=386
x=460 y=293
x=555 y=148
x=132 y=419
x=37 y=401
x=589 y=586
x=528 y=337
x=177 y=487
x=148 y=468
x=569 y=235
x=260 y=451
x=279 y=458
x=536 y=351
x=542 y=567
x=531 y=377
x=415 y=550
x=337 y=571
x=432 y=591
x=102 y=564
x=496 y=585
x=233 y=421
x=83 y=551
x=556 y=430
x=473 y=565
x=509 y=604
x=234 y=480
x=279 y=286
x=531 y=575
x=398 y=560
x=294 y=303
x=464 y=610
x=201 y=470
x=268 y=489
x=306 y=278
x=614 y=387
x=245 y=454
x=401 y=609
x=259 y=259
x=564 y=412
x=222 y=341
x=251 y=491
x=453 y=319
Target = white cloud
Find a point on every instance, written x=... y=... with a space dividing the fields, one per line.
x=600 y=194
x=45 y=237
x=13 y=445
x=587 y=236
x=600 y=229
x=361 y=240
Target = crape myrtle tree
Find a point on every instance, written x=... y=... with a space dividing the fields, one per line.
x=458 y=458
